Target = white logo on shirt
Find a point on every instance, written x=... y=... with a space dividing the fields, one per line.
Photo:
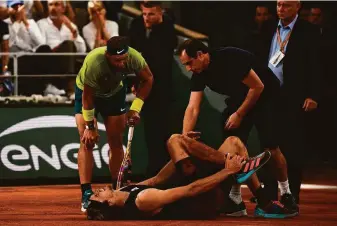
x=134 y=189
x=118 y=52
x=122 y=109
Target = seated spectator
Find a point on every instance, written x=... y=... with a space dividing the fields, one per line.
x=5 y=83
x=62 y=36
x=24 y=33
x=24 y=36
x=34 y=9
x=68 y=11
x=99 y=30
x=4 y=37
x=58 y=29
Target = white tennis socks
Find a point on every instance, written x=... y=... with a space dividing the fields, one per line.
x=284 y=187
x=235 y=193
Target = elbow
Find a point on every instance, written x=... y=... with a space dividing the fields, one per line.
x=149 y=81
x=261 y=88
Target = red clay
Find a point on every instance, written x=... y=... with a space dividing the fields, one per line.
x=59 y=205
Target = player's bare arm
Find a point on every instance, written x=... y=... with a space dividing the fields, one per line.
x=90 y=135
x=146 y=80
x=192 y=111
x=152 y=200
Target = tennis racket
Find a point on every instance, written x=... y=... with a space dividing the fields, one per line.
x=126 y=160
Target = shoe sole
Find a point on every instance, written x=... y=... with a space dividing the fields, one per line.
x=241 y=213
x=260 y=214
x=246 y=176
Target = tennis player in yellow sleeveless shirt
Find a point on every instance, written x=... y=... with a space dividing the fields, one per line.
x=100 y=90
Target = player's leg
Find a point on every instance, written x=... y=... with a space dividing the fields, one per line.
x=85 y=156
x=115 y=126
x=113 y=110
x=234 y=205
x=181 y=147
x=268 y=132
x=183 y=162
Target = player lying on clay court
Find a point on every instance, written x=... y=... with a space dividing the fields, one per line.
x=186 y=188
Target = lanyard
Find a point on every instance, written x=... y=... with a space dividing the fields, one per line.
x=285 y=41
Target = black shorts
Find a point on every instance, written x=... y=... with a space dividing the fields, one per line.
x=110 y=106
x=264 y=116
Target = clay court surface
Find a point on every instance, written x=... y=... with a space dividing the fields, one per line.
x=59 y=205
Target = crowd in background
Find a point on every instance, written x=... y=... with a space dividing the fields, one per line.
x=79 y=26
x=34 y=26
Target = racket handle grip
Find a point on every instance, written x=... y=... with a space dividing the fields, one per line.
x=130 y=133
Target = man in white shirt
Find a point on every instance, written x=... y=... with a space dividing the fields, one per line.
x=61 y=35
x=24 y=33
x=57 y=28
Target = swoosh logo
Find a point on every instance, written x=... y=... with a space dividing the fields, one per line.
x=50 y=121
x=118 y=52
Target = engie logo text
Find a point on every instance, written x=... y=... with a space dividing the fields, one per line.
x=46 y=140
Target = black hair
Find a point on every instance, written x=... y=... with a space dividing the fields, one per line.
x=103 y=211
x=192 y=46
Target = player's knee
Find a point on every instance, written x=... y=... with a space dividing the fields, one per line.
x=234 y=141
x=277 y=154
x=174 y=139
x=115 y=139
x=237 y=144
x=115 y=143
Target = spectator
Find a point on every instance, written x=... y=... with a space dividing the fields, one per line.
x=58 y=29
x=25 y=35
x=154 y=36
x=99 y=30
x=304 y=13
x=62 y=36
x=316 y=16
x=6 y=85
x=295 y=41
x=261 y=16
x=34 y=9
x=4 y=37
